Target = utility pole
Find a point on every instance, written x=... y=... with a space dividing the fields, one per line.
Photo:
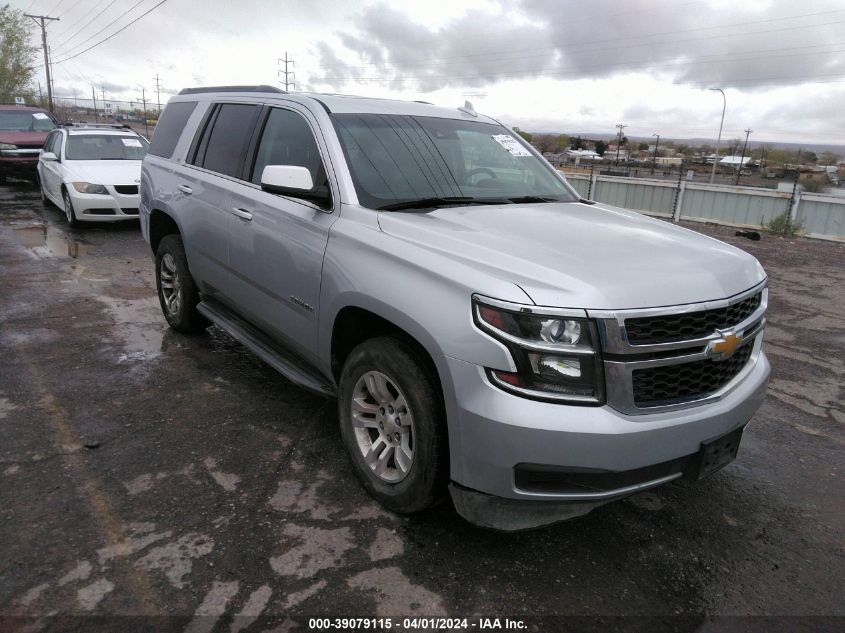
x=654 y=162
x=290 y=76
x=103 y=99
x=741 y=158
x=94 y=97
x=158 y=94
x=144 y=102
x=719 y=138
x=619 y=141
x=41 y=21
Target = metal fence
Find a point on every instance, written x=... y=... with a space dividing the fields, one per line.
x=823 y=217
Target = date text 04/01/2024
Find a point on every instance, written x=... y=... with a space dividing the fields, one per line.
x=417 y=623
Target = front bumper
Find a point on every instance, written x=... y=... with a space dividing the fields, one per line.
x=102 y=208
x=499 y=431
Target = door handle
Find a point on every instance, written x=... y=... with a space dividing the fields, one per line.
x=243 y=214
x=185 y=189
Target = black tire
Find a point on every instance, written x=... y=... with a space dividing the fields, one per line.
x=70 y=214
x=425 y=482
x=44 y=199
x=182 y=317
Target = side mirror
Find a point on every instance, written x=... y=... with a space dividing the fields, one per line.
x=48 y=156
x=294 y=181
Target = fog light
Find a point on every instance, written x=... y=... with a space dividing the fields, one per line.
x=556 y=366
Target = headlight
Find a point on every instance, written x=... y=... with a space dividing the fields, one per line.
x=87 y=187
x=557 y=357
x=7 y=146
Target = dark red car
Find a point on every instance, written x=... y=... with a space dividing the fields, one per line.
x=23 y=130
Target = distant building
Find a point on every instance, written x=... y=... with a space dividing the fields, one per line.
x=582 y=155
x=734 y=161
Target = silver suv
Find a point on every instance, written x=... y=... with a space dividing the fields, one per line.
x=481 y=326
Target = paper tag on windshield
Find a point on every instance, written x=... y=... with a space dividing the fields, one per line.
x=131 y=142
x=511 y=144
x=40 y=115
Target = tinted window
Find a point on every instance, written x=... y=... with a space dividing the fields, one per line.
x=227 y=142
x=105 y=147
x=287 y=140
x=169 y=127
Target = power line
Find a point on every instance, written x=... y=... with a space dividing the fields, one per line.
x=628 y=64
x=82 y=17
x=106 y=39
x=70 y=8
x=76 y=46
x=580 y=46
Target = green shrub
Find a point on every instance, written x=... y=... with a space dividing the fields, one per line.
x=813 y=185
x=783 y=226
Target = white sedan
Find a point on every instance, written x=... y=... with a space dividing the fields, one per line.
x=92 y=172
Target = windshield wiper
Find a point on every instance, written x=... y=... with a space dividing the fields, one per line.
x=531 y=199
x=426 y=203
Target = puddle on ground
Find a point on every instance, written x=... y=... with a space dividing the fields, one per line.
x=139 y=325
x=46 y=241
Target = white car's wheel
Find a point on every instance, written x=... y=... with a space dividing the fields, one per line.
x=72 y=221
x=44 y=199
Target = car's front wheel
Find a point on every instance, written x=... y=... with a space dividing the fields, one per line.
x=177 y=292
x=392 y=422
x=72 y=220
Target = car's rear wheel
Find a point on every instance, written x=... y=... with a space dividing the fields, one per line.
x=392 y=422
x=177 y=292
x=72 y=220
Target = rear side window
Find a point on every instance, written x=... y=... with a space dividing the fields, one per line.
x=224 y=144
x=169 y=127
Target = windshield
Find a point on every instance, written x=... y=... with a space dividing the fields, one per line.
x=398 y=159
x=21 y=121
x=105 y=147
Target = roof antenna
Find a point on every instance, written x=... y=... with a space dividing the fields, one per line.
x=467 y=107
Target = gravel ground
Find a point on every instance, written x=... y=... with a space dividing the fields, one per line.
x=156 y=481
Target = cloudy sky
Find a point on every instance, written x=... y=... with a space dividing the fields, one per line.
x=543 y=65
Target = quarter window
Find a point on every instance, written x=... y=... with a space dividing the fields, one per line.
x=169 y=128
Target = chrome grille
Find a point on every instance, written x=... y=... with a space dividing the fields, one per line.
x=679 y=327
x=662 y=359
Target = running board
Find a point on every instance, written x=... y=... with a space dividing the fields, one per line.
x=266 y=349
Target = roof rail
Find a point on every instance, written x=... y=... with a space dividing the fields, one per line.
x=106 y=126
x=200 y=90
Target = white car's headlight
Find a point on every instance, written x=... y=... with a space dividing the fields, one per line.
x=87 y=187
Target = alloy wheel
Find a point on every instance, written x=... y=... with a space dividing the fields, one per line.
x=383 y=426
x=171 y=285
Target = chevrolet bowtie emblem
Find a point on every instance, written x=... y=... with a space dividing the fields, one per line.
x=726 y=346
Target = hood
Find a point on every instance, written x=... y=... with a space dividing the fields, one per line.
x=104 y=172
x=23 y=138
x=579 y=255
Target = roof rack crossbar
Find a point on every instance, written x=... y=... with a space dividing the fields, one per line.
x=204 y=89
